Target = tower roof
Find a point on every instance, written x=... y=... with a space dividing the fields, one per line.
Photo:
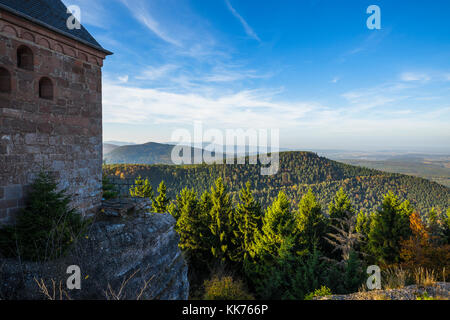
x=51 y=14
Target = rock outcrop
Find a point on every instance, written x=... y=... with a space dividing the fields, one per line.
x=438 y=291
x=135 y=257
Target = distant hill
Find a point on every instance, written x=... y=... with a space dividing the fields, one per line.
x=147 y=153
x=298 y=172
x=108 y=147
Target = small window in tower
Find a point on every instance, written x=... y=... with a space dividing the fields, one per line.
x=25 y=58
x=46 y=89
x=5 y=81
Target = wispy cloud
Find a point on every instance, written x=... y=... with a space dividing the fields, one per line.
x=127 y=104
x=414 y=76
x=335 y=80
x=123 y=79
x=248 y=30
x=153 y=73
x=141 y=13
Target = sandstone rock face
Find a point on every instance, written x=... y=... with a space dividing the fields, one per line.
x=128 y=258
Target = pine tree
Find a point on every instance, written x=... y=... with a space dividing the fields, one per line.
x=47 y=226
x=354 y=275
x=272 y=255
x=446 y=220
x=278 y=224
x=221 y=218
x=340 y=208
x=362 y=227
x=311 y=223
x=389 y=226
x=175 y=208
x=161 y=203
x=142 y=189
x=436 y=226
x=192 y=226
x=248 y=221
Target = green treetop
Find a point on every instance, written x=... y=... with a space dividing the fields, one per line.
x=161 y=203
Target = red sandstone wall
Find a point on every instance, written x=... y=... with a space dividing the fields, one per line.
x=63 y=135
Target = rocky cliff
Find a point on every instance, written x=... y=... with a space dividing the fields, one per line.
x=134 y=257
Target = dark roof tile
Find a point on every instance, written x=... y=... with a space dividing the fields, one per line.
x=51 y=14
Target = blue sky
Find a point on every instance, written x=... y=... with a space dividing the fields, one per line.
x=311 y=68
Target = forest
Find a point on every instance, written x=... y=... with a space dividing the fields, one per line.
x=238 y=250
x=299 y=172
x=313 y=227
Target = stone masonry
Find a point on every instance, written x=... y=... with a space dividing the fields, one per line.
x=56 y=127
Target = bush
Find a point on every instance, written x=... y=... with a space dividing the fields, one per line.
x=109 y=189
x=46 y=227
x=225 y=288
x=322 y=292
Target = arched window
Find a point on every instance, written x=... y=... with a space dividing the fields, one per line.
x=25 y=58
x=46 y=88
x=5 y=81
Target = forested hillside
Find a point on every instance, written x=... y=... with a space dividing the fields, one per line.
x=298 y=172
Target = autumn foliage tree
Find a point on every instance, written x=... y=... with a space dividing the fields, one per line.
x=420 y=251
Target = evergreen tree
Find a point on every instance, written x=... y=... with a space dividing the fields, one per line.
x=175 y=208
x=248 y=221
x=47 y=226
x=192 y=226
x=221 y=221
x=142 y=189
x=389 y=226
x=436 y=227
x=340 y=208
x=446 y=220
x=161 y=203
x=362 y=227
x=311 y=223
x=354 y=275
x=272 y=253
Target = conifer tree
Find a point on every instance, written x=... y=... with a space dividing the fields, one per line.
x=192 y=226
x=46 y=227
x=272 y=254
x=248 y=221
x=175 y=208
x=142 y=189
x=354 y=274
x=436 y=227
x=340 y=208
x=389 y=226
x=447 y=226
x=311 y=223
x=362 y=227
x=161 y=203
x=221 y=218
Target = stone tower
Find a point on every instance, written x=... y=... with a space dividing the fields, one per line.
x=50 y=104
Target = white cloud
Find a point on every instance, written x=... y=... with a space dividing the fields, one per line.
x=123 y=79
x=153 y=73
x=335 y=80
x=248 y=30
x=249 y=108
x=414 y=76
x=142 y=14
